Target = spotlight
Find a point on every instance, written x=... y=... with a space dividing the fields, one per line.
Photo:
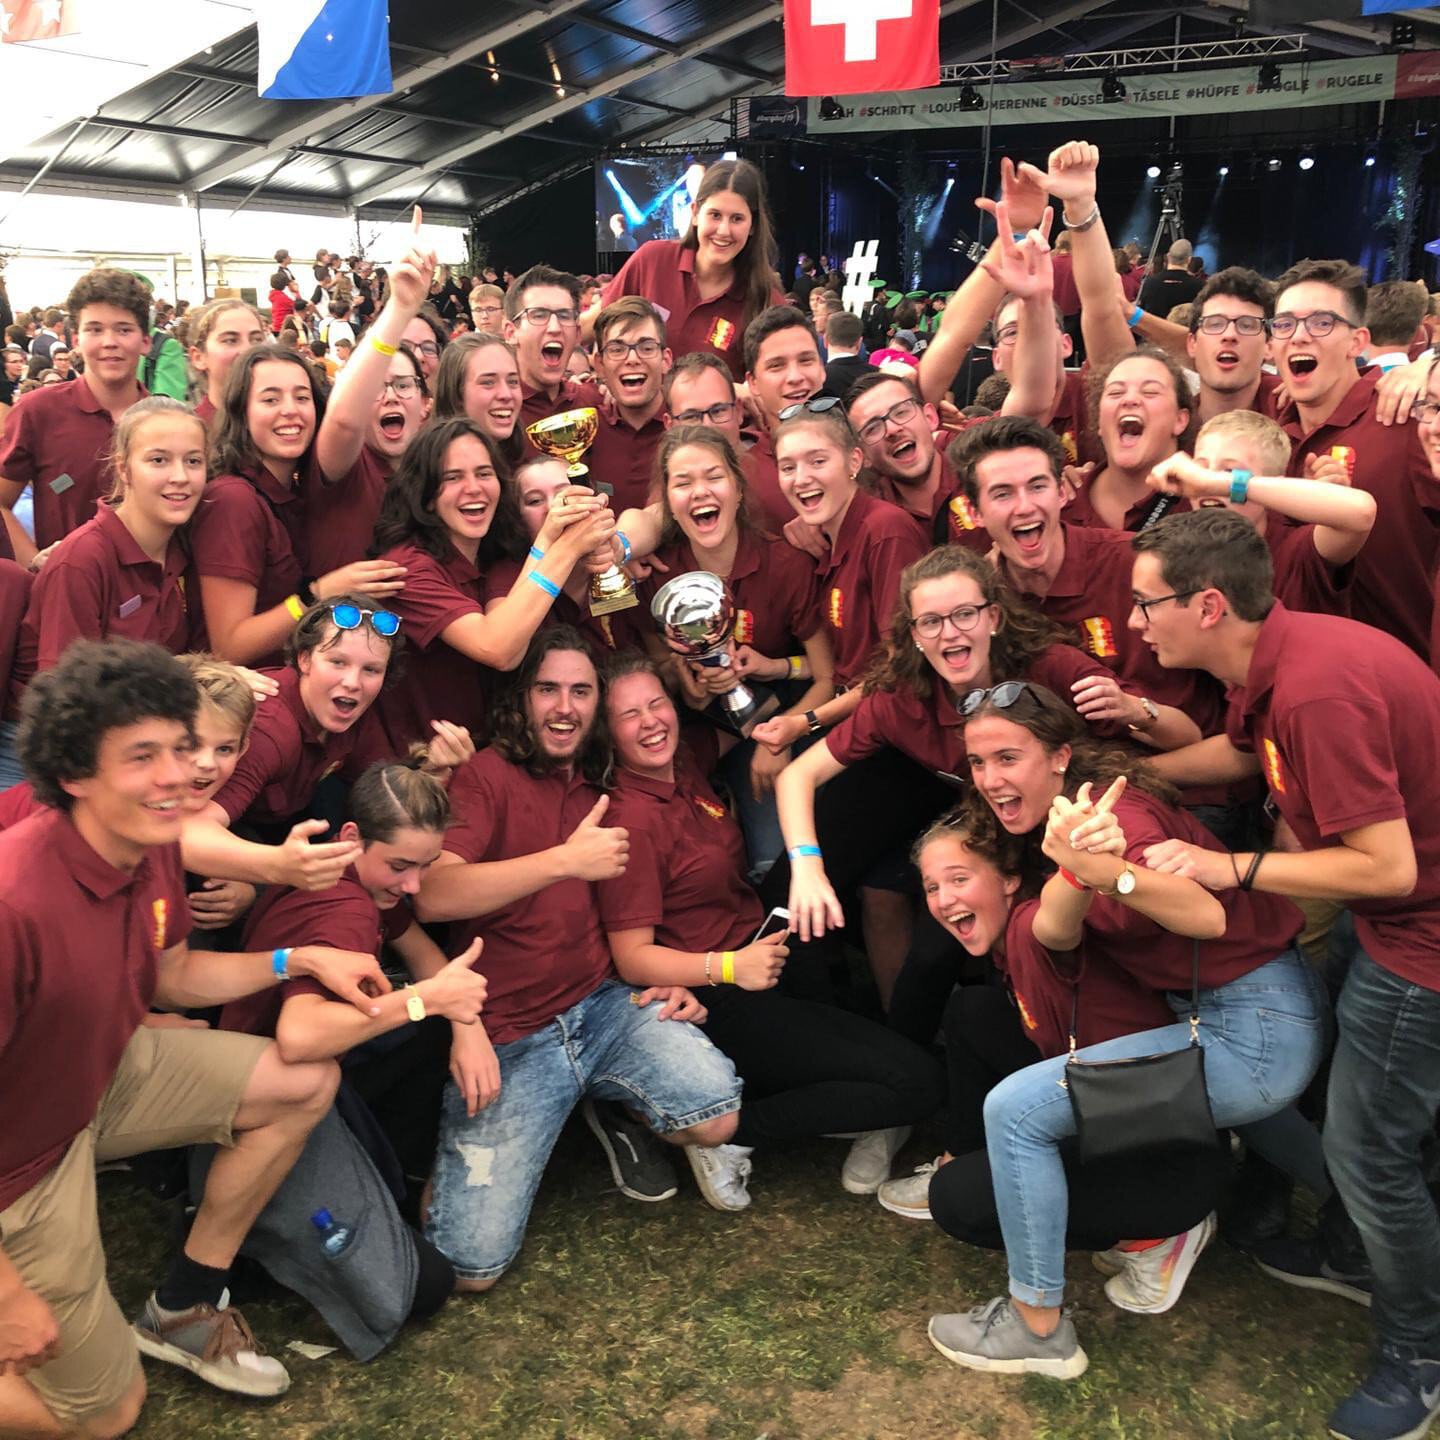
x=1272 y=164
x=1224 y=171
x=1402 y=32
x=971 y=98
x=830 y=108
x=1307 y=162
x=1369 y=162
x=1152 y=172
x=1269 y=76
x=1112 y=88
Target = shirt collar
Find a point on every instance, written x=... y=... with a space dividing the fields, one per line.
x=635 y=780
x=311 y=732
x=1353 y=406
x=1260 y=677
x=89 y=868
x=851 y=527
x=127 y=548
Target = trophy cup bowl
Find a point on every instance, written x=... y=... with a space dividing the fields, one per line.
x=695 y=615
x=567 y=436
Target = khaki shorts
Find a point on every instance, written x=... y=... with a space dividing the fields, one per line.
x=172 y=1087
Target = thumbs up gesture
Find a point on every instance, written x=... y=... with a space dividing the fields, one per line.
x=456 y=992
x=595 y=851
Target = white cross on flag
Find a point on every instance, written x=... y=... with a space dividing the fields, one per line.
x=854 y=47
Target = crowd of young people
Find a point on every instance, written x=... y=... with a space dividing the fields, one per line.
x=347 y=843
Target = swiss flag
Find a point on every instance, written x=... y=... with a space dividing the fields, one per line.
x=854 y=47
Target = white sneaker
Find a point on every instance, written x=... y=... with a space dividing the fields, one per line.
x=910 y=1195
x=722 y=1172
x=867 y=1166
x=1152 y=1279
x=1109 y=1262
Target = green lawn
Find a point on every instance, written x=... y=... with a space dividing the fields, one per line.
x=802 y=1319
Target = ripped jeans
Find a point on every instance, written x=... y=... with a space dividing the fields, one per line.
x=487 y=1169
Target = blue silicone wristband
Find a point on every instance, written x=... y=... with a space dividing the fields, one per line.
x=1137 y=315
x=625 y=546
x=548 y=586
x=536 y=553
x=280 y=963
x=800 y=852
x=1240 y=486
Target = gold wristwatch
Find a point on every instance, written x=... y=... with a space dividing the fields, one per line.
x=414 y=1005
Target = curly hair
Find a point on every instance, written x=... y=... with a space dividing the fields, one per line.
x=1020 y=635
x=317 y=630
x=973 y=824
x=121 y=288
x=513 y=736
x=1099 y=379
x=98 y=686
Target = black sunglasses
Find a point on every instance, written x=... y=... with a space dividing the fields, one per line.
x=1001 y=696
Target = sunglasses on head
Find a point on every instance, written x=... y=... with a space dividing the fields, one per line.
x=817 y=406
x=349 y=617
x=1001 y=696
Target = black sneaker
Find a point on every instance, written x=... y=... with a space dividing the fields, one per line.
x=1257 y=1207
x=1304 y=1263
x=638 y=1161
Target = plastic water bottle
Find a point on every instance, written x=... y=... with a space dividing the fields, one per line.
x=335 y=1238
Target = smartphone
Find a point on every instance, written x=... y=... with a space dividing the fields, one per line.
x=777 y=919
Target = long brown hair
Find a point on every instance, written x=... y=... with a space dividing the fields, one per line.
x=1020 y=636
x=755 y=264
x=235 y=452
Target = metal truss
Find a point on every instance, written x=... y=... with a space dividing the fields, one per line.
x=1143 y=57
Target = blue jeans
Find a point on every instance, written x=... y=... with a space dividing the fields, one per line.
x=1263 y=1036
x=1384 y=1093
x=487 y=1169
x=11 y=773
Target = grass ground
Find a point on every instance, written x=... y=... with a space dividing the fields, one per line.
x=802 y=1319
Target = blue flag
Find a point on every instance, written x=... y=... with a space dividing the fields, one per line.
x=323 y=49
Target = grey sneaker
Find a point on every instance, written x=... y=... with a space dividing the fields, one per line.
x=722 y=1172
x=215 y=1344
x=993 y=1337
x=867 y=1166
x=638 y=1160
x=910 y=1195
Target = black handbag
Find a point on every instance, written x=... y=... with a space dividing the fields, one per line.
x=1148 y=1102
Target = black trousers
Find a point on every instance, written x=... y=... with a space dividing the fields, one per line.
x=813 y=1069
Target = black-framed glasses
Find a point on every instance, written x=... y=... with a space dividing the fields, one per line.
x=402 y=385
x=425 y=347
x=1244 y=324
x=901 y=413
x=1145 y=606
x=646 y=349
x=1001 y=696
x=540 y=316
x=350 y=617
x=1008 y=335
x=816 y=405
x=963 y=617
x=1318 y=324
x=716 y=414
x=1425 y=411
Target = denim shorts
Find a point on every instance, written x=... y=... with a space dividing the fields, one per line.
x=488 y=1168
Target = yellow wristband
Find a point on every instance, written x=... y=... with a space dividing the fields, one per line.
x=797 y=667
x=727 y=967
x=296 y=606
x=382 y=347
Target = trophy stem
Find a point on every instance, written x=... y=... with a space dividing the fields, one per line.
x=576 y=470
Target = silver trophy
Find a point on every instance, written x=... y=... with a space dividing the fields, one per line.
x=695 y=615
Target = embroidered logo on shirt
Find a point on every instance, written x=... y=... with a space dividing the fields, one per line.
x=160 y=909
x=1025 y=1014
x=1099 y=636
x=1072 y=450
x=722 y=334
x=837 y=608
x=962 y=516
x=744 y=627
x=1273 y=773
x=1346 y=455
x=715 y=812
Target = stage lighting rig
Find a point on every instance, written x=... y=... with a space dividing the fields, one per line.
x=971 y=98
x=1269 y=76
x=1112 y=88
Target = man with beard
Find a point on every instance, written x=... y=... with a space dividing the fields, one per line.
x=527 y=840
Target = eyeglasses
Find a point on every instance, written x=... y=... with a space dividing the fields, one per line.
x=349 y=617
x=964 y=618
x=402 y=385
x=427 y=347
x=1145 y=606
x=1244 y=324
x=900 y=413
x=1318 y=324
x=1002 y=696
x=539 y=316
x=818 y=406
x=616 y=350
x=478 y=310
x=1007 y=335
x=1425 y=411
x=717 y=414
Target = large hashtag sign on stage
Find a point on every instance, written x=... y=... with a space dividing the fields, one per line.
x=861 y=20
x=859 y=272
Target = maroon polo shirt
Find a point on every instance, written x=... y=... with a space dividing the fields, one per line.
x=340 y=516
x=1345 y=722
x=344 y=917
x=289 y=755
x=772 y=583
x=947 y=517
x=1392 y=586
x=1266 y=397
x=1071 y=421
x=205 y=409
x=100 y=585
x=663 y=271
x=537 y=405
x=1257 y=926
x=1111 y=1002
x=860 y=581
x=79 y=946
x=18 y=803
x=1304 y=579
x=57 y=439
x=620 y=630
x=439 y=682
x=15 y=582
x=766 y=500
x=546 y=952
x=1080 y=509
x=686 y=874
x=624 y=457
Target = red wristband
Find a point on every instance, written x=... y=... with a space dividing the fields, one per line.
x=1074 y=880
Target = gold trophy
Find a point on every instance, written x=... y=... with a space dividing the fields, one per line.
x=567 y=437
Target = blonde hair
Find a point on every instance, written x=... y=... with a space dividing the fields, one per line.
x=222 y=687
x=125 y=431
x=1271 y=443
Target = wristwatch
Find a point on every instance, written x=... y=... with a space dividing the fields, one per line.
x=813 y=721
x=1124 y=883
x=1152 y=712
x=414 y=1005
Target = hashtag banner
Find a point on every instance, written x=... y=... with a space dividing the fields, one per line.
x=854 y=47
